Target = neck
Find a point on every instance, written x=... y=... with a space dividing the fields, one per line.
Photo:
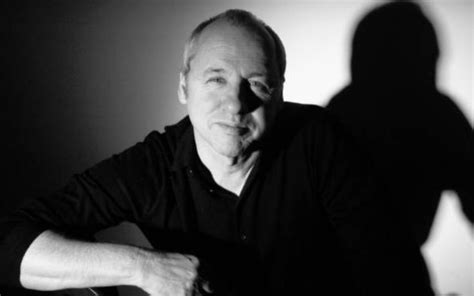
x=228 y=172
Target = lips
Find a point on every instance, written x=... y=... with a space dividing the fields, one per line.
x=232 y=129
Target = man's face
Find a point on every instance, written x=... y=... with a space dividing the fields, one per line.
x=232 y=90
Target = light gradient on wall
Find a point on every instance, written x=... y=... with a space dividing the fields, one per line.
x=96 y=76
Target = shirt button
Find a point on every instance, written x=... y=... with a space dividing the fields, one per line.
x=211 y=190
x=243 y=237
x=190 y=171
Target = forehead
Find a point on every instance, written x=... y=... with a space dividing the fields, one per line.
x=223 y=44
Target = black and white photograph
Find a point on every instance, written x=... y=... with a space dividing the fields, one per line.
x=237 y=148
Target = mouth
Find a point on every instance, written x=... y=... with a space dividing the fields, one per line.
x=233 y=129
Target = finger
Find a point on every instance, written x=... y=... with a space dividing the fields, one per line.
x=193 y=259
x=190 y=289
x=190 y=293
x=206 y=286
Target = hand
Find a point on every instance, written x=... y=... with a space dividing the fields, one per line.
x=168 y=274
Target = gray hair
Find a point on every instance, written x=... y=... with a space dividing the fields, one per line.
x=239 y=18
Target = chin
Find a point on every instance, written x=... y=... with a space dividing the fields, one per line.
x=232 y=149
x=231 y=146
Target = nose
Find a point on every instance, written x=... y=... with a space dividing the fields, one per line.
x=241 y=100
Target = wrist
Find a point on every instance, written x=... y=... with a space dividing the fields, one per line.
x=145 y=263
x=137 y=270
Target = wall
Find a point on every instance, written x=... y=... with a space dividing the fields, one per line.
x=89 y=78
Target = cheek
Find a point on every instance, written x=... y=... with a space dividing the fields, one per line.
x=198 y=101
x=260 y=119
x=264 y=116
x=199 y=95
x=201 y=107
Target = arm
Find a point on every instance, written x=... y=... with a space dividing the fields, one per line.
x=53 y=262
x=122 y=188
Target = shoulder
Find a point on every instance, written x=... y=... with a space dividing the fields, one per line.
x=172 y=135
x=156 y=151
x=165 y=144
x=314 y=130
x=296 y=110
x=305 y=119
x=304 y=130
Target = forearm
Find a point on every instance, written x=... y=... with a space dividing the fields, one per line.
x=53 y=262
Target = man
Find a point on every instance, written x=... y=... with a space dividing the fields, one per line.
x=247 y=196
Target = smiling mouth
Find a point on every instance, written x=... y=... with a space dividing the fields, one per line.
x=232 y=129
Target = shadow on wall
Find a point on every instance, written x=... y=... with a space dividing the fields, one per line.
x=420 y=141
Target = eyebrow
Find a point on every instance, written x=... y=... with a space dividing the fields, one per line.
x=214 y=71
x=257 y=74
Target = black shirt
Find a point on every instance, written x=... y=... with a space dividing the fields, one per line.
x=307 y=221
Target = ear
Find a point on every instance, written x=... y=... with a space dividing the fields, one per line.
x=182 y=94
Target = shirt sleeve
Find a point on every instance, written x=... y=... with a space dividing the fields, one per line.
x=383 y=257
x=105 y=195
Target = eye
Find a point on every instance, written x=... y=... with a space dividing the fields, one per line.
x=217 y=80
x=260 y=87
